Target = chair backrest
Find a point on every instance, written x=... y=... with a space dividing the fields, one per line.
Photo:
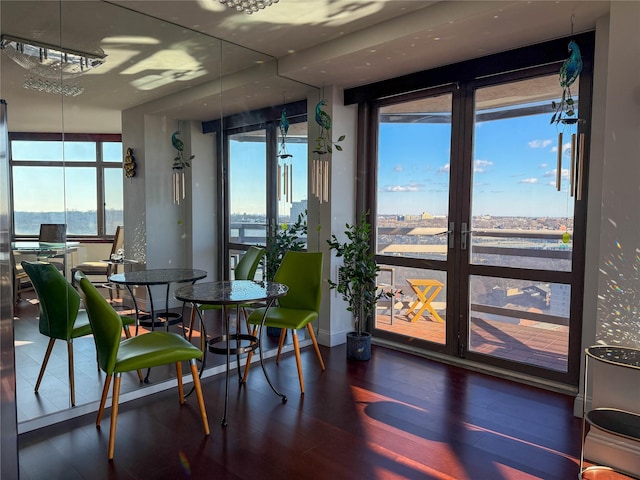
x=118 y=240
x=248 y=264
x=105 y=322
x=302 y=273
x=53 y=233
x=59 y=301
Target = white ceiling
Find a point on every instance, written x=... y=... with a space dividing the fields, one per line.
x=316 y=42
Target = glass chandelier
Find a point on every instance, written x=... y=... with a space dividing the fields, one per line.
x=248 y=6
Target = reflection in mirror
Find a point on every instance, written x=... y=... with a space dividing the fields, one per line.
x=156 y=78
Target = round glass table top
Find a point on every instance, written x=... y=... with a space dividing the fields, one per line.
x=230 y=292
x=158 y=276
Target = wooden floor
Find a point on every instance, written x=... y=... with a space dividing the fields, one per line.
x=396 y=416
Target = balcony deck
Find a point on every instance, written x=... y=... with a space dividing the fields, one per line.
x=528 y=342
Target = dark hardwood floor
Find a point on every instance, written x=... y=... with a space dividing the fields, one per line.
x=396 y=416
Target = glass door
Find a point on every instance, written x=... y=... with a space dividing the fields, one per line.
x=413 y=225
x=267 y=184
x=525 y=182
x=476 y=194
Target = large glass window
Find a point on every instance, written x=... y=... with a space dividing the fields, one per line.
x=77 y=182
x=478 y=209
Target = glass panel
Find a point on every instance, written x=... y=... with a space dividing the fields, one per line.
x=247 y=187
x=520 y=320
x=112 y=152
x=292 y=199
x=519 y=218
x=413 y=178
x=113 y=208
x=38 y=197
x=415 y=304
x=53 y=151
x=55 y=195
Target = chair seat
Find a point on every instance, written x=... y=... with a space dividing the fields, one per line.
x=281 y=317
x=160 y=348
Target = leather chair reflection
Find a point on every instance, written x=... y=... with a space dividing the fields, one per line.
x=245 y=270
x=99 y=268
x=302 y=273
x=60 y=315
x=21 y=281
x=53 y=233
x=151 y=349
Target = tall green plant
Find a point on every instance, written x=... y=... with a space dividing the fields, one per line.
x=358 y=273
x=287 y=237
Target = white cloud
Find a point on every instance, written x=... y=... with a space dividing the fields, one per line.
x=529 y=180
x=398 y=168
x=539 y=143
x=565 y=147
x=479 y=166
x=444 y=168
x=543 y=165
x=412 y=187
x=552 y=173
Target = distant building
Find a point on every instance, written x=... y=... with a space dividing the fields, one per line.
x=560 y=303
x=297 y=208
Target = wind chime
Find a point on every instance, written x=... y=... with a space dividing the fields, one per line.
x=285 y=165
x=179 y=164
x=324 y=145
x=565 y=114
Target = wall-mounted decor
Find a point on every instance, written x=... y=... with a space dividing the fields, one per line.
x=129 y=164
x=285 y=165
x=324 y=145
x=179 y=164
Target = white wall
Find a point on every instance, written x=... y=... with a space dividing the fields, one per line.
x=335 y=320
x=612 y=278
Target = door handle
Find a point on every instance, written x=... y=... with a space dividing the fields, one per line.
x=449 y=234
x=464 y=235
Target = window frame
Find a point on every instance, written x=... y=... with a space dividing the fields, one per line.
x=99 y=165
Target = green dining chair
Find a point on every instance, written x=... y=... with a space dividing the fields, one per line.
x=245 y=270
x=302 y=273
x=116 y=356
x=61 y=317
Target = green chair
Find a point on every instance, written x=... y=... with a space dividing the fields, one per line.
x=302 y=273
x=151 y=349
x=245 y=270
x=60 y=315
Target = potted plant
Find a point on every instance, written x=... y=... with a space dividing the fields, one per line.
x=287 y=237
x=357 y=284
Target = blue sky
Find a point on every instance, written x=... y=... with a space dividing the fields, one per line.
x=514 y=163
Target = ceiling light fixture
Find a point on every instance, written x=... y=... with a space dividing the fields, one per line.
x=48 y=61
x=248 y=6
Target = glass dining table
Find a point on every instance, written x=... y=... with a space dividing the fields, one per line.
x=149 y=278
x=227 y=294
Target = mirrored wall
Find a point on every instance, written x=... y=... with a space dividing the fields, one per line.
x=142 y=78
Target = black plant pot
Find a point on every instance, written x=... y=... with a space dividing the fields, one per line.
x=358 y=346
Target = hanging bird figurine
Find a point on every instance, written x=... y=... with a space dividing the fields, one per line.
x=322 y=118
x=283 y=126
x=572 y=66
x=179 y=162
x=569 y=73
x=323 y=142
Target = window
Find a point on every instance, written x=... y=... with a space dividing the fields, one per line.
x=75 y=179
